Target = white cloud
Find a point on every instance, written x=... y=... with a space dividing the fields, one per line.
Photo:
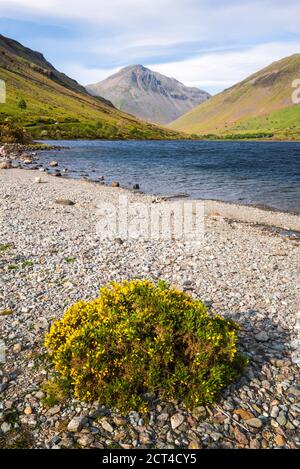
x=221 y=70
x=204 y=43
x=212 y=72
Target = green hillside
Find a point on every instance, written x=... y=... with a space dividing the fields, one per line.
x=51 y=105
x=260 y=106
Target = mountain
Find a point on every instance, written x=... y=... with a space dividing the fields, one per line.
x=49 y=104
x=259 y=106
x=148 y=95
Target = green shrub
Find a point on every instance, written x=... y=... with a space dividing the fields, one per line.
x=22 y=104
x=12 y=133
x=139 y=338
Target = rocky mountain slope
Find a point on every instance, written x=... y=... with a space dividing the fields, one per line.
x=52 y=105
x=148 y=95
x=261 y=105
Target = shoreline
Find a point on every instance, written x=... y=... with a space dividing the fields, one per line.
x=230 y=210
x=233 y=210
x=51 y=257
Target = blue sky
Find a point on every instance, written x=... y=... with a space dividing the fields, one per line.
x=209 y=44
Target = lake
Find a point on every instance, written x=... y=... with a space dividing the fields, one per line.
x=253 y=173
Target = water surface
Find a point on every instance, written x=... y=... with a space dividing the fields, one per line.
x=256 y=173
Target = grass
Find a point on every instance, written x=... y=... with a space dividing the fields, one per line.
x=5 y=247
x=70 y=260
x=259 y=107
x=56 y=109
x=6 y=312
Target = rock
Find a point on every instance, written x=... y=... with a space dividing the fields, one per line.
x=195 y=444
x=254 y=444
x=262 y=337
x=279 y=440
x=281 y=419
x=17 y=348
x=199 y=412
x=77 y=424
x=40 y=395
x=5 y=427
x=57 y=174
x=38 y=180
x=244 y=414
x=107 y=426
x=28 y=410
x=85 y=440
x=53 y=164
x=66 y=202
x=27 y=161
x=5 y=165
x=240 y=437
x=255 y=423
x=53 y=410
x=119 y=241
x=136 y=187
x=119 y=421
x=145 y=439
x=274 y=412
x=115 y=184
x=176 y=420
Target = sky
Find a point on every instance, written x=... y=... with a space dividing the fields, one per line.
x=210 y=44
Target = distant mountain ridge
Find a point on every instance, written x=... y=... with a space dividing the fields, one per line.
x=56 y=106
x=259 y=105
x=148 y=95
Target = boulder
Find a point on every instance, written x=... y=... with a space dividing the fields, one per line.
x=5 y=165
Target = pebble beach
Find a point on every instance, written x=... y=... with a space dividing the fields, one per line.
x=247 y=268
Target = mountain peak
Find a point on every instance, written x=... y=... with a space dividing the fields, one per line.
x=147 y=94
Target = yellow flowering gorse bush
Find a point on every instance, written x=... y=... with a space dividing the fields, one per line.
x=138 y=338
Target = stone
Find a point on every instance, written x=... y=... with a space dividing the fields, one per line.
x=53 y=164
x=281 y=419
x=279 y=440
x=38 y=180
x=53 y=410
x=136 y=187
x=5 y=165
x=119 y=421
x=85 y=440
x=17 y=348
x=195 y=444
x=274 y=412
x=77 y=424
x=107 y=426
x=66 y=202
x=176 y=420
x=244 y=414
x=262 y=337
x=255 y=423
x=240 y=437
x=115 y=184
x=28 y=410
x=199 y=412
x=254 y=444
x=145 y=439
x=5 y=427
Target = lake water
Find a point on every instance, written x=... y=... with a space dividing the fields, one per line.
x=256 y=173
